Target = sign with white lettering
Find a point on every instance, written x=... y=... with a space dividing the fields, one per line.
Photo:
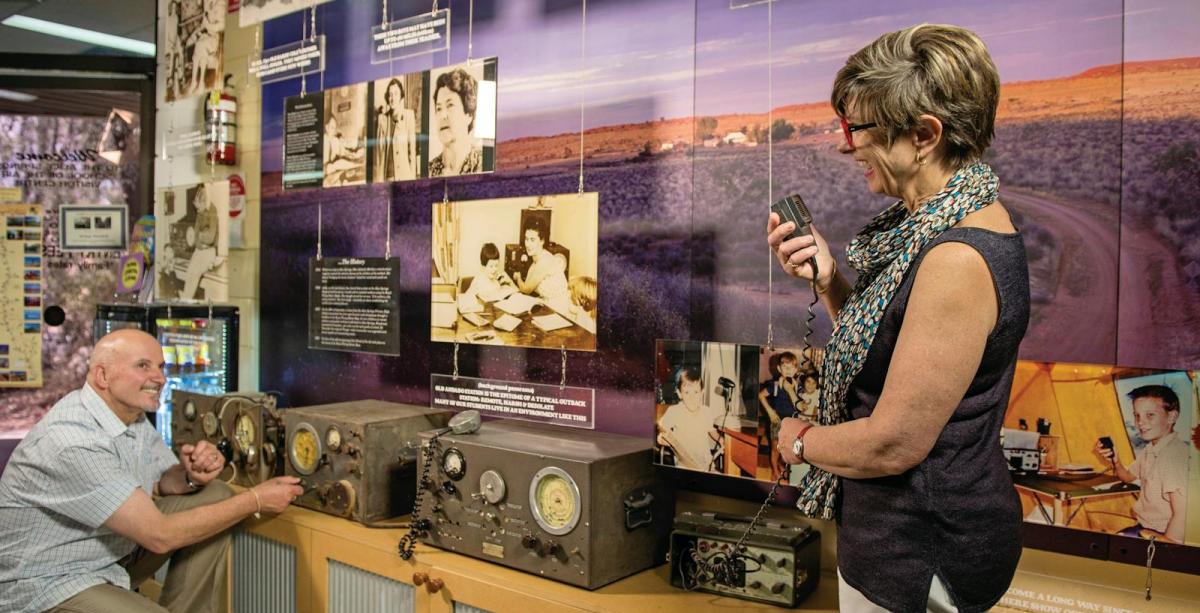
x=551 y=404
x=354 y=305
x=289 y=61
x=425 y=33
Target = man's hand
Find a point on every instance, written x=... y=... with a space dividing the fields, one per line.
x=276 y=494
x=201 y=462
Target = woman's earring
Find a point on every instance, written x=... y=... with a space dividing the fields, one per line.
x=920 y=159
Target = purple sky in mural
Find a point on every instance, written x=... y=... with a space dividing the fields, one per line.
x=645 y=61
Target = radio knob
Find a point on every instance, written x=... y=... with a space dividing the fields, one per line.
x=762 y=558
x=449 y=487
x=529 y=541
x=754 y=585
x=782 y=562
x=777 y=588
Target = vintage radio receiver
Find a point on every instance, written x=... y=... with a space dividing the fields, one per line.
x=577 y=506
x=358 y=459
x=244 y=426
x=780 y=563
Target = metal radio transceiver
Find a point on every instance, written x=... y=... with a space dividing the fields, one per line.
x=357 y=459
x=781 y=563
x=576 y=506
x=244 y=426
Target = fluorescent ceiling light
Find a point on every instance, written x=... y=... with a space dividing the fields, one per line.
x=8 y=94
x=72 y=33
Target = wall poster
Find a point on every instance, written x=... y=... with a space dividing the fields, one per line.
x=21 y=294
x=718 y=405
x=192 y=243
x=302 y=165
x=1106 y=448
x=193 y=47
x=519 y=272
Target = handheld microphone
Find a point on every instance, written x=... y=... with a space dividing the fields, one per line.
x=727 y=385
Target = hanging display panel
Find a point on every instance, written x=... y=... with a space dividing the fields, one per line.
x=519 y=272
x=1106 y=448
x=718 y=405
x=438 y=123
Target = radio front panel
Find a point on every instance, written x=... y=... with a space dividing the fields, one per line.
x=578 y=507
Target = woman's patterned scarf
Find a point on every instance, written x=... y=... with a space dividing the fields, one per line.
x=882 y=253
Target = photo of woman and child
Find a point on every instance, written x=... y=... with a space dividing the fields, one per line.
x=538 y=292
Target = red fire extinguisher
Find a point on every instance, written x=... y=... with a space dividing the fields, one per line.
x=220 y=126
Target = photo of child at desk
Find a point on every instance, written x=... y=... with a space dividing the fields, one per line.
x=1110 y=452
x=539 y=291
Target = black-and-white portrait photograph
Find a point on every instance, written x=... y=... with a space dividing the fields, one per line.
x=462 y=119
x=192 y=44
x=344 y=148
x=192 y=235
x=258 y=11
x=397 y=134
x=718 y=405
x=520 y=272
x=120 y=135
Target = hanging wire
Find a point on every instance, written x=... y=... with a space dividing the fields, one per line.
x=303 y=76
x=562 y=382
x=583 y=81
x=387 y=233
x=318 y=230
x=470 y=28
x=434 y=9
x=770 y=171
x=1150 y=549
x=456 y=359
x=383 y=17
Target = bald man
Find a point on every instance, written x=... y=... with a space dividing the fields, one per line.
x=92 y=502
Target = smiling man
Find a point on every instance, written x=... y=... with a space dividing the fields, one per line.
x=78 y=524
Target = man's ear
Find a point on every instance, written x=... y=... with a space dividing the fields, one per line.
x=100 y=376
x=928 y=134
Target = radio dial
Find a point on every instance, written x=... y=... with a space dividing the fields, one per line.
x=341 y=497
x=492 y=486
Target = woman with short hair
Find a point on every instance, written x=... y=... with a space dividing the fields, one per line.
x=917 y=373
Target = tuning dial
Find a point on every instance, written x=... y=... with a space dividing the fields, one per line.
x=341 y=497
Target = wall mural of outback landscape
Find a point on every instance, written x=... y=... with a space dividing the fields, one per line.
x=1099 y=162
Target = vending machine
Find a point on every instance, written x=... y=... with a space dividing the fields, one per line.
x=200 y=347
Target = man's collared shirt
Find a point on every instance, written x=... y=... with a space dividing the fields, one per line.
x=73 y=470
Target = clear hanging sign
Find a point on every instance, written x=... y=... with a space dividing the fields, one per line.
x=298 y=59
x=549 y=404
x=425 y=33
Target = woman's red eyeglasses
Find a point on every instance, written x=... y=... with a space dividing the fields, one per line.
x=848 y=130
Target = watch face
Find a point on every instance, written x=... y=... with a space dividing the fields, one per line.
x=798 y=447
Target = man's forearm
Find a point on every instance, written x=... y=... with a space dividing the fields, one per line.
x=194 y=525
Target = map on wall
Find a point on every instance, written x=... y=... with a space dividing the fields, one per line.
x=21 y=295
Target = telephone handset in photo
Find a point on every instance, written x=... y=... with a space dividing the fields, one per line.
x=1107 y=443
x=465 y=422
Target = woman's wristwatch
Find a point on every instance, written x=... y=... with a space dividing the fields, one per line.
x=798 y=444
